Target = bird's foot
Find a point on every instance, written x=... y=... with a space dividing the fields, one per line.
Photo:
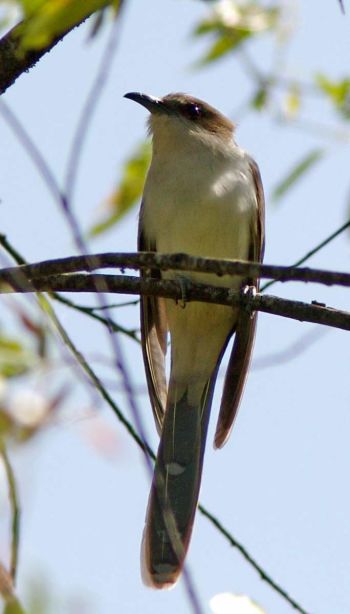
x=184 y=283
x=248 y=293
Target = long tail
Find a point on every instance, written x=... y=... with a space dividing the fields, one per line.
x=175 y=489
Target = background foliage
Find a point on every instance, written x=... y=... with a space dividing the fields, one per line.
x=290 y=97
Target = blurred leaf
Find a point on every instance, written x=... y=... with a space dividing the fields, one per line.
x=224 y=44
x=14 y=358
x=13 y=607
x=296 y=173
x=338 y=92
x=31 y=6
x=292 y=102
x=129 y=190
x=47 y=20
x=230 y=24
x=260 y=98
x=40 y=599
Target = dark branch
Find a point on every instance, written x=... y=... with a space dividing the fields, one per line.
x=262 y=573
x=296 y=310
x=176 y=262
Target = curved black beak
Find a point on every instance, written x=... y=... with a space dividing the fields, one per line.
x=151 y=103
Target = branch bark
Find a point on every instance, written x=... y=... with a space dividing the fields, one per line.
x=122 y=284
x=176 y=262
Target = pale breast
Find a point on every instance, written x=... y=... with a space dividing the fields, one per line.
x=202 y=208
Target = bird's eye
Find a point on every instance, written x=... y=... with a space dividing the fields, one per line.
x=193 y=111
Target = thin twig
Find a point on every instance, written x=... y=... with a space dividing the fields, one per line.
x=90 y=311
x=12 y=604
x=244 y=552
x=97 y=383
x=109 y=323
x=313 y=251
x=123 y=304
x=15 y=511
x=90 y=106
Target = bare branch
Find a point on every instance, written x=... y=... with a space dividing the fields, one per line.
x=315 y=249
x=296 y=310
x=15 y=511
x=176 y=262
x=90 y=107
x=262 y=573
x=108 y=322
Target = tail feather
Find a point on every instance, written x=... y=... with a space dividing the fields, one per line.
x=175 y=489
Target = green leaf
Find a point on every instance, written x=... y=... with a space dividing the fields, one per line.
x=14 y=358
x=129 y=190
x=45 y=21
x=230 y=23
x=337 y=91
x=297 y=173
x=223 y=45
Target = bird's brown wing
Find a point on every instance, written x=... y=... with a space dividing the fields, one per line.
x=153 y=338
x=238 y=365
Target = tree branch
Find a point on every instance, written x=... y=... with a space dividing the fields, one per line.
x=296 y=310
x=176 y=262
x=262 y=573
x=15 y=511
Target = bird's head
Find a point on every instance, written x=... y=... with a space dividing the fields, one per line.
x=180 y=118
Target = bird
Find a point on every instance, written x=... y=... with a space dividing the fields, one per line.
x=203 y=196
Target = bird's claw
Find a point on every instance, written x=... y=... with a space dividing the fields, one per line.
x=184 y=283
x=248 y=293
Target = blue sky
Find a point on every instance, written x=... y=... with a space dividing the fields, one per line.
x=280 y=484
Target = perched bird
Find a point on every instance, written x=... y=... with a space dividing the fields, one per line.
x=203 y=196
